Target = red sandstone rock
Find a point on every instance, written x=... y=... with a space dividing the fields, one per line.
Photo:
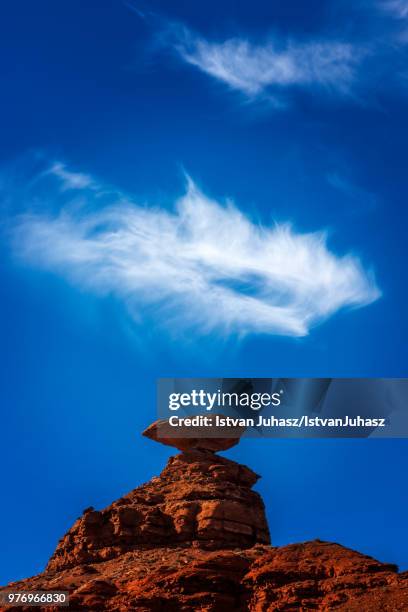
x=190 y=438
x=199 y=498
x=196 y=539
x=311 y=576
x=324 y=576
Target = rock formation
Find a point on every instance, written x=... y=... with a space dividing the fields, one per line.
x=196 y=538
x=189 y=438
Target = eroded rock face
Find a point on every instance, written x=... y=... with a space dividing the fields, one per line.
x=199 y=498
x=324 y=576
x=315 y=575
x=195 y=538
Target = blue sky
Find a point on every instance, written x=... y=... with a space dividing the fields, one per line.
x=218 y=192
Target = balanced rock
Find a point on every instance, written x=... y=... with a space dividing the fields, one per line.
x=187 y=438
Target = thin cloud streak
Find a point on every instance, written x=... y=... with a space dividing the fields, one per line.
x=397 y=8
x=364 y=200
x=258 y=69
x=69 y=179
x=205 y=266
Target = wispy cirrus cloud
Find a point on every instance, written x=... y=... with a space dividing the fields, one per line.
x=69 y=179
x=204 y=265
x=364 y=200
x=273 y=67
x=396 y=8
x=343 y=60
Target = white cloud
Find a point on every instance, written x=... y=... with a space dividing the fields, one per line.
x=70 y=180
x=257 y=69
x=203 y=266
